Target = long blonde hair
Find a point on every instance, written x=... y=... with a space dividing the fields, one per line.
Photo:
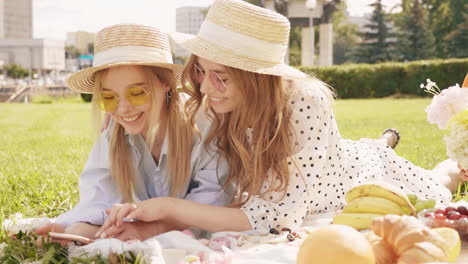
x=264 y=108
x=172 y=119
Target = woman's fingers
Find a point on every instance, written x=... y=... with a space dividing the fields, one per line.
x=43 y=230
x=112 y=231
x=135 y=214
x=105 y=226
x=49 y=227
x=124 y=211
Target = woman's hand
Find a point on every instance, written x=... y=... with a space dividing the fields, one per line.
x=148 y=211
x=137 y=231
x=43 y=230
x=81 y=229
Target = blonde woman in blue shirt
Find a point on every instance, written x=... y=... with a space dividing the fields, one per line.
x=150 y=149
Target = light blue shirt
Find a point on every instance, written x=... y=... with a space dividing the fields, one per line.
x=98 y=192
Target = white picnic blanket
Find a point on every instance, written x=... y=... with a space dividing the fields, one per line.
x=183 y=248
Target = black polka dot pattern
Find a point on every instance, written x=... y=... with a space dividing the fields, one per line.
x=324 y=167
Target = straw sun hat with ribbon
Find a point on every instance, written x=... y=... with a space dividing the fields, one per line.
x=243 y=36
x=125 y=44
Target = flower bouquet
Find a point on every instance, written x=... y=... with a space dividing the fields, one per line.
x=449 y=111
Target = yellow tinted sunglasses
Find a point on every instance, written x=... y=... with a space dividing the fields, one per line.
x=135 y=95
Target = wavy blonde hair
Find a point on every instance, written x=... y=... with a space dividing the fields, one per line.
x=265 y=108
x=173 y=121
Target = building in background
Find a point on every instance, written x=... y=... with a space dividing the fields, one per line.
x=16 y=39
x=188 y=20
x=16 y=19
x=83 y=41
x=33 y=53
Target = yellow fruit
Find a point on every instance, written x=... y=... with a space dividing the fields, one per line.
x=374 y=205
x=358 y=221
x=382 y=190
x=452 y=238
x=335 y=244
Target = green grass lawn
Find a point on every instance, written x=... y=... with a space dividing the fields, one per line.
x=43 y=147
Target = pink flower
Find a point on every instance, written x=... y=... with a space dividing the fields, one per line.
x=446 y=104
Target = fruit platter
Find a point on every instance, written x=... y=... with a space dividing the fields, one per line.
x=402 y=228
x=451 y=217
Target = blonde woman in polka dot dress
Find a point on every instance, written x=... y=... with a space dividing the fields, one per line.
x=275 y=128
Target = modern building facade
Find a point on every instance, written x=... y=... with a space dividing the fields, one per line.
x=16 y=19
x=33 y=53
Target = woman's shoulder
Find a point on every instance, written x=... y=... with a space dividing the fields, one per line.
x=309 y=92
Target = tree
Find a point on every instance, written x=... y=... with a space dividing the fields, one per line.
x=295 y=46
x=71 y=52
x=415 y=39
x=458 y=38
x=376 y=45
x=15 y=71
x=445 y=16
x=345 y=36
x=90 y=48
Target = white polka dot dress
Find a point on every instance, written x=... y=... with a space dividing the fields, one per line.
x=325 y=167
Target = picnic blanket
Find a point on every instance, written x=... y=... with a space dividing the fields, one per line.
x=218 y=248
x=177 y=247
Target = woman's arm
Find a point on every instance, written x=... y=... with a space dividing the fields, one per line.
x=207 y=217
x=182 y=213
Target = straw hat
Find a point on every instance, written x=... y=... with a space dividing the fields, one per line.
x=125 y=44
x=244 y=36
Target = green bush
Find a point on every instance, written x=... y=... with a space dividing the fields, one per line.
x=15 y=71
x=384 y=79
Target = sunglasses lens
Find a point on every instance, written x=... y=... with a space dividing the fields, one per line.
x=109 y=101
x=137 y=95
x=217 y=82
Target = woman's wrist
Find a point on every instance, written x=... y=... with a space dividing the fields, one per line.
x=168 y=207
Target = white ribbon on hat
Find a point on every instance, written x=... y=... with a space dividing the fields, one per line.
x=132 y=54
x=242 y=44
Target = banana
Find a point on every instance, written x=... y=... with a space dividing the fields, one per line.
x=355 y=220
x=382 y=190
x=374 y=205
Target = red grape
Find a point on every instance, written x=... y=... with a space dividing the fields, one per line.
x=440 y=216
x=429 y=215
x=450 y=209
x=462 y=210
x=453 y=215
x=439 y=211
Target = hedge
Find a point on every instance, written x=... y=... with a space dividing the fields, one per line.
x=385 y=79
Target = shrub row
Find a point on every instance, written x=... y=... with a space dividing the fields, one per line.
x=385 y=79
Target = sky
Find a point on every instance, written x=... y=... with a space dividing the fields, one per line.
x=52 y=19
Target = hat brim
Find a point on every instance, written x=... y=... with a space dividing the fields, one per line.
x=83 y=81
x=215 y=53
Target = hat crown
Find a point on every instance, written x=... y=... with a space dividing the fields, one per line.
x=250 y=20
x=124 y=35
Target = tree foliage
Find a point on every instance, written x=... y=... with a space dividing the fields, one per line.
x=15 y=71
x=377 y=39
x=415 y=39
x=457 y=40
x=345 y=36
